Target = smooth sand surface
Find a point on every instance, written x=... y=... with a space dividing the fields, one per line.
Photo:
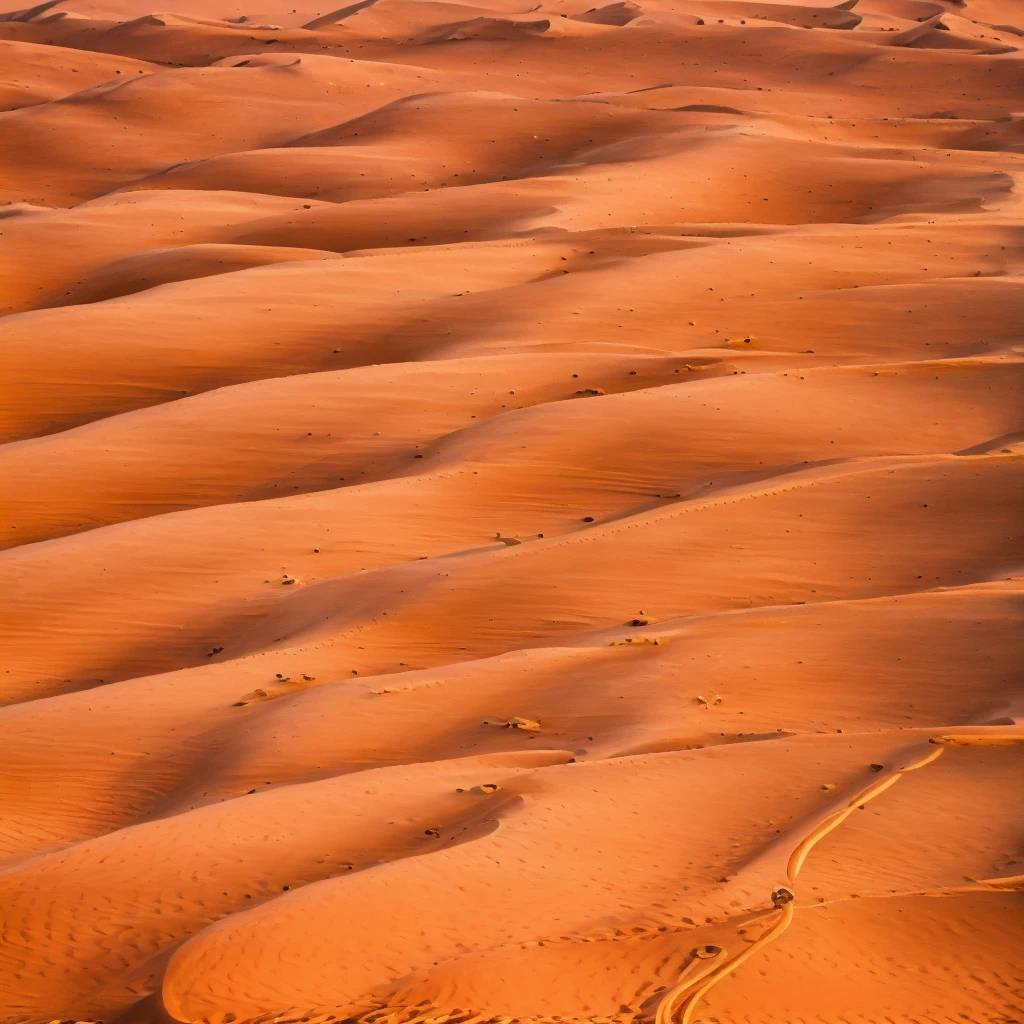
x=512 y=513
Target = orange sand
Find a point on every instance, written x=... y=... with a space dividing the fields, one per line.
x=499 y=498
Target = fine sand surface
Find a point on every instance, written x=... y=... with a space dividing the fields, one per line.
x=512 y=513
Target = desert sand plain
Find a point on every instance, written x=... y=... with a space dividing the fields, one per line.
x=410 y=612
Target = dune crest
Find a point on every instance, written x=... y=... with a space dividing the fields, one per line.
x=512 y=512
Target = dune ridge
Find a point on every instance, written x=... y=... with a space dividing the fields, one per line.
x=511 y=513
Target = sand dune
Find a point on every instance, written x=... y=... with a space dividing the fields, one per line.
x=511 y=512
x=40 y=74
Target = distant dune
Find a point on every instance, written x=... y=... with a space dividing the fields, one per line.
x=512 y=514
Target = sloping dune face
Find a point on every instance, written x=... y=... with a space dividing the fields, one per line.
x=512 y=513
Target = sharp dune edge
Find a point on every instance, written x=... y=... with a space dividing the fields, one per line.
x=512 y=513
